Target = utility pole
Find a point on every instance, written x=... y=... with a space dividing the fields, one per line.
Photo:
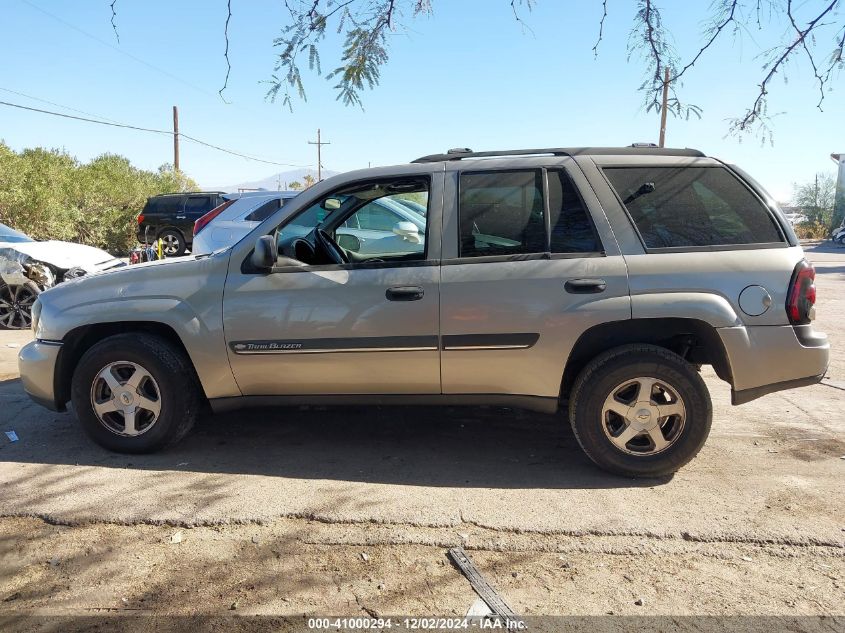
x=839 y=200
x=663 y=109
x=319 y=145
x=175 y=138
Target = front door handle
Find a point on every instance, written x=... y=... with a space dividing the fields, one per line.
x=404 y=293
x=585 y=286
x=180 y=217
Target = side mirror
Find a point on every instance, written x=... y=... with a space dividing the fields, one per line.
x=408 y=231
x=265 y=254
x=348 y=242
x=331 y=204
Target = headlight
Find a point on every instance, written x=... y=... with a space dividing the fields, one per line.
x=36 y=318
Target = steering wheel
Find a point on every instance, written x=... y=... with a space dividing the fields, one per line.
x=331 y=248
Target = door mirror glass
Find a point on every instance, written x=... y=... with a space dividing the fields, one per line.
x=408 y=231
x=265 y=253
x=331 y=204
x=348 y=242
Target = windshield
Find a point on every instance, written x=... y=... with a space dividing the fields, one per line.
x=8 y=234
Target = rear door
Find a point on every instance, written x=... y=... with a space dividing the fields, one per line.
x=529 y=264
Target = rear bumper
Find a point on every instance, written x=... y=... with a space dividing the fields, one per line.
x=37 y=363
x=765 y=359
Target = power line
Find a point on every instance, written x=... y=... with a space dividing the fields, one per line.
x=58 y=105
x=152 y=130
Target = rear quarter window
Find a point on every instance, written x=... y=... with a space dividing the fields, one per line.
x=676 y=207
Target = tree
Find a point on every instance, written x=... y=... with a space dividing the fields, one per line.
x=814 y=30
x=295 y=185
x=815 y=198
x=308 y=179
x=48 y=194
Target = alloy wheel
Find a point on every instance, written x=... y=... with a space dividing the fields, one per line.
x=126 y=398
x=170 y=244
x=16 y=306
x=643 y=416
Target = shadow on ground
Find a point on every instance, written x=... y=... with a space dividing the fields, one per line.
x=425 y=446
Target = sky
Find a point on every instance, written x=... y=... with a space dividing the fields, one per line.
x=469 y=75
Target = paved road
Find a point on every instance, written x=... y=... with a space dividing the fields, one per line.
x=772 y=469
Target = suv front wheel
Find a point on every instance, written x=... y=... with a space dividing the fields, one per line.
x=135 y=393
x=640 y=410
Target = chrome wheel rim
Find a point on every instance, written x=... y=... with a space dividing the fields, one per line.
x=126 y=398
x=170 y=244
x=16 y=306
x=643 y=416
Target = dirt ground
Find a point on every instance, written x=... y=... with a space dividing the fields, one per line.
x=351 y=512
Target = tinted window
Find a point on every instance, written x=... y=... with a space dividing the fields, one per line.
x=264 y=211
x=164 y=204
x=572 y=229
x=501 y=213
x=692 y=206
x=198 y=204
x=8 y=234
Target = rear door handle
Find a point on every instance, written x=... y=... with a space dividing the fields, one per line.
x=404 y=293
x=180 y=217
x=585 y=286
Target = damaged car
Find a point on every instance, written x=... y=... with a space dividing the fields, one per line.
x=28 y=267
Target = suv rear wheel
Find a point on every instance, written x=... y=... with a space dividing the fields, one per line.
x=172 y=243
x=640 y=410
x=135 y=393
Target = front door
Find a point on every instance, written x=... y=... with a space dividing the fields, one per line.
x=368 y=325
x=529 y=264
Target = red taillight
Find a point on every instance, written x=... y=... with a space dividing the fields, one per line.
x=200 y=224
x=802 y=294
x=141 y=218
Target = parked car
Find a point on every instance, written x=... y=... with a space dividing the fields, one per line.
x=383 y=226
x=590 y=283
x=171 y=217
x=236 y=216
x=28 y=267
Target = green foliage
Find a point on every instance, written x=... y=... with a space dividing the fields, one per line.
x=815 y=199
x=295 y=185
x=48 y=194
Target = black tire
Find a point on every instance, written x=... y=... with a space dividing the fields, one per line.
x=16 y=305
x=173 y=243
x=178 y=388
x=625 y=363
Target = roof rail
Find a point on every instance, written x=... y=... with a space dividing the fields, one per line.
x=185 y=193
x=638 y=149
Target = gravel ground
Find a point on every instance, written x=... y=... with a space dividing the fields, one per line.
x=274 y=509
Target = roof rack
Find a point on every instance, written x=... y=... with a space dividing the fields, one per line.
x=638 y=149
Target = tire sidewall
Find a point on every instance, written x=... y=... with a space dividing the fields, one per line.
x=175 y=394
x=586 y=413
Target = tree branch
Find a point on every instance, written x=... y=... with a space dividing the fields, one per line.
x=113 y=23
x=601 y=28
x=757 y=110
x=226 y=52
x=716 y=30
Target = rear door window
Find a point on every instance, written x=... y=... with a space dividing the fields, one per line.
x=501 y=213
x=571 y=227
x=692 y=207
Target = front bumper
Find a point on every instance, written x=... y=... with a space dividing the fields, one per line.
x=37 y=362
x=765 y=359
